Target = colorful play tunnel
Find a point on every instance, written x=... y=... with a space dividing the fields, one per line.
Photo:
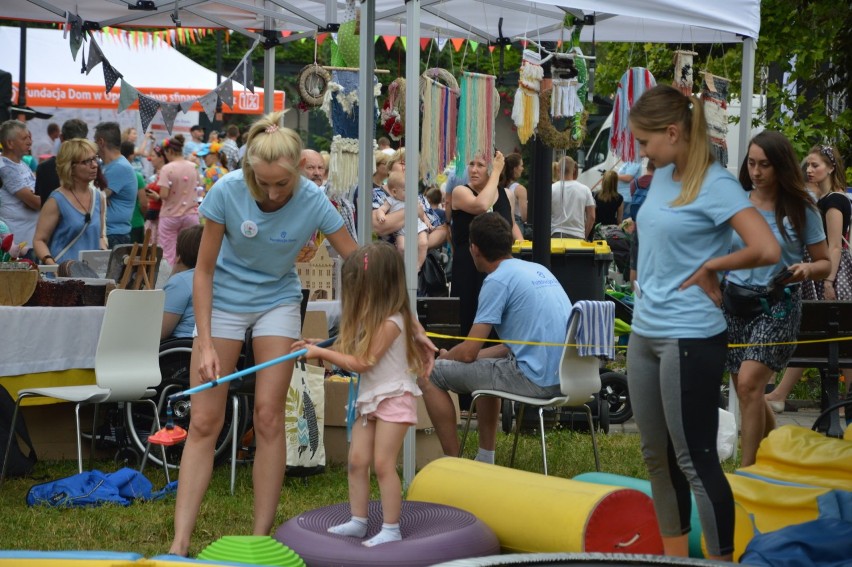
x=532 y=513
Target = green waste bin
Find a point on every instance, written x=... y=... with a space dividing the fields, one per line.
x=580 y=266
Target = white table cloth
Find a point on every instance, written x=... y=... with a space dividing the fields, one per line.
x=44 y=339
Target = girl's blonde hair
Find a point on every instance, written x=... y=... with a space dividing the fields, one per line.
x=663 y=106
x=269 y=141
x=609 y=187
x=832 y=158
x=373 y=281
x=70 y=152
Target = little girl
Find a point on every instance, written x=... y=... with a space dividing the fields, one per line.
x=376 y=341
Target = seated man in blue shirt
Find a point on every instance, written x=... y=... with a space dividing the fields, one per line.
x=178 y=315
x=522 y=301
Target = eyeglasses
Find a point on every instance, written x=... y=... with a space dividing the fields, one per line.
x=88 y=162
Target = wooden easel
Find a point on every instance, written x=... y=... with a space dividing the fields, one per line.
x=143 y=261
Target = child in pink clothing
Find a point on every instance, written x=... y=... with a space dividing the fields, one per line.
x=178 y=181
x=376 y=340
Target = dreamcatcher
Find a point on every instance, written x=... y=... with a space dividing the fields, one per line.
x=632 y=85
x=683 y=71
x=478 y=106
x=714 y=95
x=525 y=111
x=439 y=94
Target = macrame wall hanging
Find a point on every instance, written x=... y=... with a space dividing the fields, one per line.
x=393 y=110
x=439 y=95
x=683 y=71
x=478 y=108
x=632 y=85
x=714 y=95
x=525 y=111
x=341 y=106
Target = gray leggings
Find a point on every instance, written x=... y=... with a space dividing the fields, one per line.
x=674 y=390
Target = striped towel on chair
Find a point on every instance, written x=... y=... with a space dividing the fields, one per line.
x=595 y=328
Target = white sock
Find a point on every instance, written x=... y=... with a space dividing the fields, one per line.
x=356 y=527
x=390 y=532
x=484 y=456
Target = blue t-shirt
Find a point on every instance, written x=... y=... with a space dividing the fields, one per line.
x=121 y=180
x=676 y=241
x=525 y=302
x=791 y=250
x=633 y=168
x=179 y=301
x=256 y=270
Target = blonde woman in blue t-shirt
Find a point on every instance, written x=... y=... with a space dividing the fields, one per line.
x=678 y=341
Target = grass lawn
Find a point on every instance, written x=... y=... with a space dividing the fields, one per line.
x=146 y=527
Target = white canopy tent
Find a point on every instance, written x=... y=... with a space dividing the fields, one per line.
x=667 y=21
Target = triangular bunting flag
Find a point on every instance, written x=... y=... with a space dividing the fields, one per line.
x=474 y=45
x=457 y=43
x=169 y=112
x=147 y=109
x=226 y=92
x=321 y=38
x=208 y=103
x=248 y=75
x=285 y=33
x=442 y=43
x=404 y=41
x=185 y=105
x=491 y=49
x=128 y=96
x=389 y=41
x=110 y=76
x=95 y=56
x=424 y=43
x=76 y=23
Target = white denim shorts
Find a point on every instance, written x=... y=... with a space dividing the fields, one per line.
x=282 y=321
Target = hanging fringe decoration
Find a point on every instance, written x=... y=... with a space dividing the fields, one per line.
x=340 y=103
x=477 y=111
x=683 y=71
x=525 y=111
x=714 y=95
x=440 y=121
x=633 y=83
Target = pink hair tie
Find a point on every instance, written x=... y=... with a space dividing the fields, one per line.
x=271 y=128
x=366 y=258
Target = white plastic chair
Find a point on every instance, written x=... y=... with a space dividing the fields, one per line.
x=126 y=360
x=579 y=380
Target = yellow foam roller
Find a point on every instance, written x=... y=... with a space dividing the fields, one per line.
x=533 y=513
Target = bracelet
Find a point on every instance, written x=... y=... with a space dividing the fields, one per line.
x=46 y=257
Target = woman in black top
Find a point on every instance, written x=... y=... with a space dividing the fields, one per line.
x=481 y=194
x=609 y=204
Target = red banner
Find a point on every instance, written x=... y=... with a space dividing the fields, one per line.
x=88 y=96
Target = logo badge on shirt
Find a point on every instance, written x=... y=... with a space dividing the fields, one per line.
x=249 y=229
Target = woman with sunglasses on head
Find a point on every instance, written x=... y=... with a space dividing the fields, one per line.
x=73 y=218
x=826 y=175
x=776 y=188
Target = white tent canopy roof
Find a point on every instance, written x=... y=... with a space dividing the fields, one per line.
x=671 y=21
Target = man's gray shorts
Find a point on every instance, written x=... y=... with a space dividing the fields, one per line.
x=488 y=374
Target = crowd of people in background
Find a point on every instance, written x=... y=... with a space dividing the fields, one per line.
x=778 y=233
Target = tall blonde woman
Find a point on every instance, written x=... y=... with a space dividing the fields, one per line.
x=73 y=217
x=257 y=219
x=679 y=341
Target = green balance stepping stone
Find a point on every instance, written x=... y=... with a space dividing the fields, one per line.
x=255 y=550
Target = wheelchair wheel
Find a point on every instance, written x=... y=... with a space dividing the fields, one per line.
x=174 y=367
x=614 y=391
